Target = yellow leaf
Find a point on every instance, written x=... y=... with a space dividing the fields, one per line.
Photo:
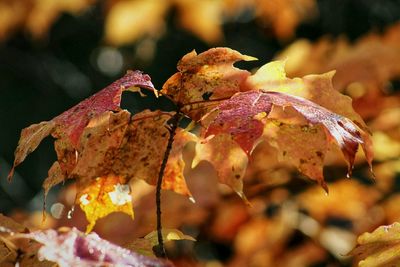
x=379 y=248
x=103 y=196
x=145 y=245
x=168 y=235
x=206 y=76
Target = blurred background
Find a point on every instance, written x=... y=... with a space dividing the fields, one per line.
x=54 y=54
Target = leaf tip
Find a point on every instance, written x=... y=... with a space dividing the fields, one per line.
x=249 y=58
x=244 y=198
x=325 y=187
x=191 y=198
x=11 y=174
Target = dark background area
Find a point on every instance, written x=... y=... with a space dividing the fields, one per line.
x=41 y=79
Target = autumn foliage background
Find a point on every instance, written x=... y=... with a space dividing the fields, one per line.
x=54 y=54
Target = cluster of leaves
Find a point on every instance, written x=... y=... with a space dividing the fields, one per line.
x=128 y=21
x=104 y=147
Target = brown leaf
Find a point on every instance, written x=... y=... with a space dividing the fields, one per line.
x=73 y=121
x=69 y=126
x=207 y=76
x=30 y=140
x=132 y=147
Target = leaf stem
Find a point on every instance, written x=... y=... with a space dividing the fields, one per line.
x=172 y=126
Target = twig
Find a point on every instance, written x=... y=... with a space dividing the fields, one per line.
x=173 y=125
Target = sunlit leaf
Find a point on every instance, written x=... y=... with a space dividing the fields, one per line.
x=379 y=248
x=102 y=196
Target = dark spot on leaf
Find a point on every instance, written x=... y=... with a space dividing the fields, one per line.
x=237 y=176
x=206 y=95
x=303 y=161
x=284 y=153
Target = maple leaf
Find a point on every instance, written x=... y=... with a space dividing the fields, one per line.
x=73 y=121
x=74 y=248
x=379 y=248
x=70 y=124
x=113 y=149
x=248 y=118
x=318 y=89
x=346 y=134
x=204 y=79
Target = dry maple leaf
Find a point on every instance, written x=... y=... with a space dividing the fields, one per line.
x=115 y=148
x=247 y=117
x=340 y=129
x=204 y=79
x=71 y=123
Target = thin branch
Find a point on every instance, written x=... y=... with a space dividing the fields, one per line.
x=173 y=125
